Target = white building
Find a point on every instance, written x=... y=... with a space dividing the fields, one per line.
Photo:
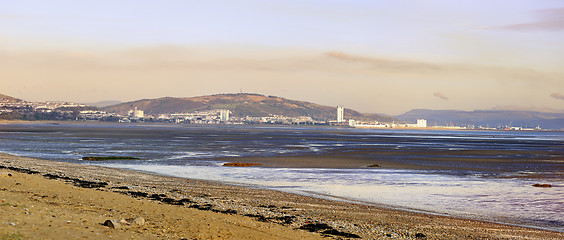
x=136 y=113
x=340 y=114
x=421 y=123
x=224 y=115
x=139 y=113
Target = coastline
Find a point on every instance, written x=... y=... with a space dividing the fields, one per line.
x=284 y=210
x=406 y=129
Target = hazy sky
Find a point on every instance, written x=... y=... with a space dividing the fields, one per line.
x=372 y=56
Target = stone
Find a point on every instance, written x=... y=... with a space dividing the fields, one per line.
x=5 y=174
x=138 y=221
x=112 y=223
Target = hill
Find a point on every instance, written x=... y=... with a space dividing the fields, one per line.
x=493 y=118
x=241 y=105
x=104 y=103
x=6 y=98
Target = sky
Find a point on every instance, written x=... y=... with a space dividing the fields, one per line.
x=372 y=56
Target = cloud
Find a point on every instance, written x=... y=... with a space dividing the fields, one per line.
x=330 y=78
x=386 y=64
x=557 y=96
x=411 y=68
x=547 y=20
x=342 y=56
x=440 y=95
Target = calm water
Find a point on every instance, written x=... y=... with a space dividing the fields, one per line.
x=475 y=174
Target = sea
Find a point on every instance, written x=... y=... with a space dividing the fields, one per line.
x=483 y=175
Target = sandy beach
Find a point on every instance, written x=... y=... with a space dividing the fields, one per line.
x=47 y=200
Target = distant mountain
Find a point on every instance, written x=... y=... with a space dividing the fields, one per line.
x=104 y=103
x=241 y=105
x=493 y=118
x=6 y=98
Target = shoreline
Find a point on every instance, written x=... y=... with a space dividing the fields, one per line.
x=504 y=220
x=287 y=210
x=17 y=121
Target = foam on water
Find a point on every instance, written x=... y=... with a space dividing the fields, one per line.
x=492 y=199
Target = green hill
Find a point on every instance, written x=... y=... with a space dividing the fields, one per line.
x=241 y=105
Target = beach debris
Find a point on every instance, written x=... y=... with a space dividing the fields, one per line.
x=238 y=164
x=22 y=170
x=373 y=165
x=137 y=194
x=325 y=229
x=104 y=158
x=5 y=174
x=227 y=211
x=157 y=197
x=420 y=236
x=257 y=217
x=286 y=219
x=315 y=227
x=205 y=207
x=138 y=221
x=543 y=185
x=77 y=182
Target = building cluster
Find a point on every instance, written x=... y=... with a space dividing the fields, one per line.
x=74 y=111
x=421 y=123
x=279 y=119
x=97 y=115
x=223 y=116
x=137 y=115
x=47 y=109
x=215 y=116
x=8 y=106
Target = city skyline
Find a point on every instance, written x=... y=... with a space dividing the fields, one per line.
x=371 y=56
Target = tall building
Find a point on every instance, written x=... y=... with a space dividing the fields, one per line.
x=340 y=114
x=136 y=113
x=224 y=115
x=421 y=123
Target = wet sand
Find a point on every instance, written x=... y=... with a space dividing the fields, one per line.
x=425 y=160
x=48 y=200
x=315 y=161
